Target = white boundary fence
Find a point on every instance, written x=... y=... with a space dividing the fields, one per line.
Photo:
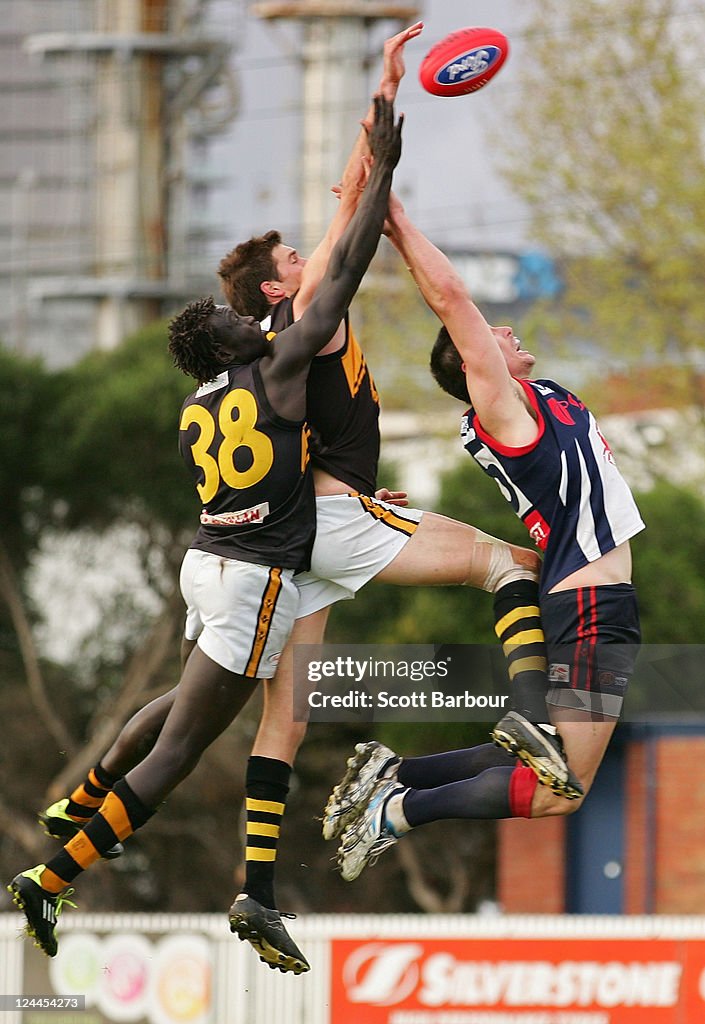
x=387 y=969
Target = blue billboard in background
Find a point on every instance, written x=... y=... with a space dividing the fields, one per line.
x=505 y=278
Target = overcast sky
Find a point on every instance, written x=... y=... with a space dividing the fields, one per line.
x=446 y=176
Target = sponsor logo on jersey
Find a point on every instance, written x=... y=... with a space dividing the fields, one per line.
x=606 y=450
x=558 y=673
x=538 y=528
x=243 y=517
x=611 y=681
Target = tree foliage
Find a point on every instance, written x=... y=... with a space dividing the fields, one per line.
x=27 y=403
x=116 y=421
x=606 y=148
x=668 y=561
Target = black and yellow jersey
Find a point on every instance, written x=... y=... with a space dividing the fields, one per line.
x=342 y=408
x=251 y=471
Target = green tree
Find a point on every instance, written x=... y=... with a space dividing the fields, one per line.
x=604 y=143
x=27 y=400
x=668 y=561
x=116 y=421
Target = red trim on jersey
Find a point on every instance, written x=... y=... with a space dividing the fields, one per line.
x=522 y=786
x=505 y=449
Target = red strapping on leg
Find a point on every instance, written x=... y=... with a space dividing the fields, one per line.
x=522 y=786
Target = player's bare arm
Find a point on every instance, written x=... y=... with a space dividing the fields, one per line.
x=293 y=349
x=497 y=398
x=353 y=178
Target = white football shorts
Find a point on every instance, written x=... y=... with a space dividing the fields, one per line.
x=356 y=537
x=241 y=613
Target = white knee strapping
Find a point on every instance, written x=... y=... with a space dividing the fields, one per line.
x=502 y=568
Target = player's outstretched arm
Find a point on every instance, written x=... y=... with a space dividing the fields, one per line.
x=353 y=178
x=294 y=348
x=352 y=254
x=489 y=382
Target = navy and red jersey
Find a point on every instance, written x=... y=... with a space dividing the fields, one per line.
x=565 y=485
x=251 y=471
x=342 y=409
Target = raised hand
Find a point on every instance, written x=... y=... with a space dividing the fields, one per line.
x=384 y=136
x=393 y=68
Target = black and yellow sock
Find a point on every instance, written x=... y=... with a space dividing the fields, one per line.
x=518 y=626
x=266 y=789
x=121 y=814
x=87 y=798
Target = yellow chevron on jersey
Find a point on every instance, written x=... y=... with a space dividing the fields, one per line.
x=355 y=367
x=305 y=446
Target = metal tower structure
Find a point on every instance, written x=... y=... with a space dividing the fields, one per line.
x=108 y=121
x=334 y=58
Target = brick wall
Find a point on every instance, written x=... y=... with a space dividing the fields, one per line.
x=680 y=825
x=531 y=865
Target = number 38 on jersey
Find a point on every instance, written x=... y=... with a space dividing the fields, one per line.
x=243 y=456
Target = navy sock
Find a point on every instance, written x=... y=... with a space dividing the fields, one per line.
x=452 y=766
x=485 y=796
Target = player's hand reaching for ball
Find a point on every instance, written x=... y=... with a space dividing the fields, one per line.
x=385 y=136
x=394 y=68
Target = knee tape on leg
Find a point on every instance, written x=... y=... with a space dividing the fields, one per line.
x=502 y=568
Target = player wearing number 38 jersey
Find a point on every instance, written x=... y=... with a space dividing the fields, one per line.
x=250 y=465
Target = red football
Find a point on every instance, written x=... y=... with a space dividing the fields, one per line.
x=464 y=61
